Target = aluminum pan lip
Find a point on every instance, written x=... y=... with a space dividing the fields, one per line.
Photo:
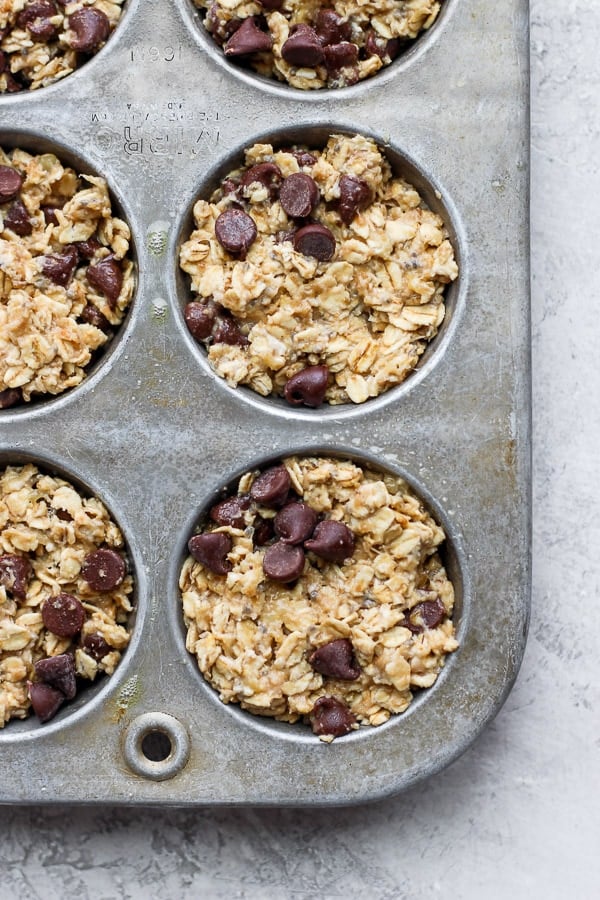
x=137 y=436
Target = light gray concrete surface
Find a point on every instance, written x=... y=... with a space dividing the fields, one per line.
x=518 y=815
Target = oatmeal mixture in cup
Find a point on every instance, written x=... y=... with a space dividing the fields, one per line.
x=316 y=592
x=311 y=44
x=65 y=592
x=42 y=41
x=66 y=276
x=316 y=275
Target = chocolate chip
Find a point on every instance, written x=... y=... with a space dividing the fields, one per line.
x=3 y=60
x=63 y=615
x=332 y=541
x=268 y=174
x=230 y=511
x=303 y=157
x=10 y=397
x=307 y=387
x=15 y=572
x=375 y=45
x=303 y=48
x=87 y=249
x=235 y=231
x=200 y=318
x=428 y=614
x=271 y=487
x=50 y=214
x=104 y=569
x=271 y=4
x=45 y=700
x=336 y=660
x=315 y=240
x=10 y=183
x=340 y=56
x=295 y=522
x=17 y=219
x=211 y=550
x=228 y=332
x=35 y=17
x=59 y=673
x=248 y=38
x=95 y=646
x=283 y=562
x=90 y=28
x=263 y=531
x=299 y=195
x=92 y=316
x=59 y=267
x=331 y=28
x=107 y=277
x=355 y=194
x=330 y=716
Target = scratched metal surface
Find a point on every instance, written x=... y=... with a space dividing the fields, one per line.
x=159 y=113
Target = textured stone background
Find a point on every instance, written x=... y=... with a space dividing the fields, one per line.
x=518 y=815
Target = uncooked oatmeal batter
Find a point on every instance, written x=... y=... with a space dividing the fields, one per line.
x=65 y=592
x=316 y=592
x=66 y=278
x=42 y=41
x=314 y=44
x=317 y=275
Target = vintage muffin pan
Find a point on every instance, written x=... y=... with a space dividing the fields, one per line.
x=152 y=432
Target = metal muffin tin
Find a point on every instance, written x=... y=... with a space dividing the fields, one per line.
x=160 y=113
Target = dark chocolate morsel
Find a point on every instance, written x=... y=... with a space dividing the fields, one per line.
x=307 y=387
x=227 y=331
x=248 y=38
x=303 y=48
x=59 y=267
x=90 y=28
x=315 y=240
x=263 y=531
x=355 y=194
x=330 y=716
x=59 y=672
x=15 y=572
x=200 y=318
x=235 y=231
x=10 y=397
x=332 y=541
x=230 y=511
x=271 y=487
x=107 y=277
x=336 y=660
x=331 y=28
x=268 y=174
x=45 y=700
x=211 y=549
x=299 y=195
x=340 y=56
x=92 y=316
x=104 y=569
x=283 y=562
x=295 y=522
x=95 y=645
x=63 y=615
x=17 y=219
x=428 y=614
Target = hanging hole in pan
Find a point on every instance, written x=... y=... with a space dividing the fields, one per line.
x=156 y=746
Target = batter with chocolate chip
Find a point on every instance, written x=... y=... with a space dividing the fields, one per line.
x=65 y=593
x=333 y=614
x=316 y=275
x=313 y=44
x=66 y=276
x=42 y=41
